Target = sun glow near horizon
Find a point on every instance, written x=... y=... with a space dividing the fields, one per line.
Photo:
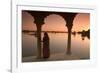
x=55 y=22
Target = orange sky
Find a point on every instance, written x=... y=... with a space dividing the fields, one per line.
x=55 y=22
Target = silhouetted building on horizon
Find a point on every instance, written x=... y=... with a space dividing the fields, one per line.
x=85 y=33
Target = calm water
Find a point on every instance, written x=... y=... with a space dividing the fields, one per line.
x=58 y=44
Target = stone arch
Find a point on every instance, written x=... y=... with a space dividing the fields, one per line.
x=60 y=18
x=27 y=20
x=80 y=20
x=39 y=20
x=27 y=26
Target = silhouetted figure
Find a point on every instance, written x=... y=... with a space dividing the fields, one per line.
x=46 y=50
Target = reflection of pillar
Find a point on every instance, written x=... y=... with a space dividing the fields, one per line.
x=69 y=42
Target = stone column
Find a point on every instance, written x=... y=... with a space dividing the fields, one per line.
x=69 y=42
x=69 y=23
x=38 y=41
x=39 y=22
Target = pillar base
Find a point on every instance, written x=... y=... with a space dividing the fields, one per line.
x=68 y=53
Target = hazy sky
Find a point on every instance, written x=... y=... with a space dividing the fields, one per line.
x=55 y=22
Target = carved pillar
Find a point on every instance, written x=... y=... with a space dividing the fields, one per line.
x=69 y=23
x=39 y=22
x=69 y=42
x=69 y=27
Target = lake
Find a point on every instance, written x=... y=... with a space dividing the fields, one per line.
x=80 y=46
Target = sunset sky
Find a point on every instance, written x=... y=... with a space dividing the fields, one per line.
x=55 y=22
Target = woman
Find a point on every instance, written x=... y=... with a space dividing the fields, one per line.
x=46 y=50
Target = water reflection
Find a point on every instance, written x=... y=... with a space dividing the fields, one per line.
x=77 y=46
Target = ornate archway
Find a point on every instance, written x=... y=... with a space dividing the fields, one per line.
x=39 y=17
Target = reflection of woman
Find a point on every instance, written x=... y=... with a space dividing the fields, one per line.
x=46 y=50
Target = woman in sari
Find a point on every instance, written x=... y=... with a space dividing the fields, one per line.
x=46 y=49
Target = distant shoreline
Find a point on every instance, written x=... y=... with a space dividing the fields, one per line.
x=46 y=31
